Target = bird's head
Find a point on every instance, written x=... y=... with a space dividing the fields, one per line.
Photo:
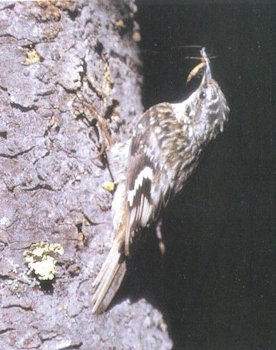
x=208 y=106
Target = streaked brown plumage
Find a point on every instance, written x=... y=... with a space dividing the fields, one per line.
x=165 y=149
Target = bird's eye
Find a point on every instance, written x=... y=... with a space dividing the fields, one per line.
x=202 y=95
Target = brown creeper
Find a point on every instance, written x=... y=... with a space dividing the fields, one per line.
x=164 y=150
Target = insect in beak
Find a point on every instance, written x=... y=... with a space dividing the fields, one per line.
x=204 y=65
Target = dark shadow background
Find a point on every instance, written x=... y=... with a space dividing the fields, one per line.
x=216 y=284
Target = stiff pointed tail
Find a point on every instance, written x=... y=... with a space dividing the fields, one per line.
x=109 y=278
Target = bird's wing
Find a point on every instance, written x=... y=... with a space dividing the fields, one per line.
x=143 y=196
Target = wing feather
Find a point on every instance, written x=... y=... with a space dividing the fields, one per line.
x=139 y=201
x=144 y=195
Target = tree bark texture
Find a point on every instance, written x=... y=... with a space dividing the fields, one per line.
x=70 y=83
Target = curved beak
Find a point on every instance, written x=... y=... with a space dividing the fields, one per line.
x=207 y=76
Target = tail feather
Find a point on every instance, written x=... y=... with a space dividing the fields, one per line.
x=109 y=279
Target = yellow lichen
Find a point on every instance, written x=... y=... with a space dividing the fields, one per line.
x=120 y=23
x=40 y=260
x=32 y=56
x=108 y=186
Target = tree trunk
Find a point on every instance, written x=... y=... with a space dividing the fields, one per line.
x=69 y=89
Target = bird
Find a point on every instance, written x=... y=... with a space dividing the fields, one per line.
x=164 y=150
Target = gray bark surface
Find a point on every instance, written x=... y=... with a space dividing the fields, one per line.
x=65 y=66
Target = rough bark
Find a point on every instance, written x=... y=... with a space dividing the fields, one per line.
x=69 y=86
